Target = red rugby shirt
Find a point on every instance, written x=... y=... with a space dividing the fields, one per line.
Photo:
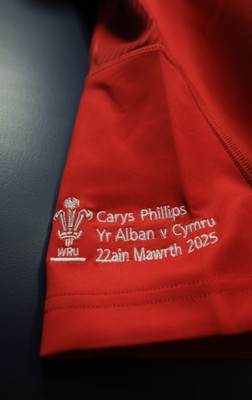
x=151 y=236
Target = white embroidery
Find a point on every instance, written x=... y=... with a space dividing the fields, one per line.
x=68 y=251
x=167 y=223
x=162 y=212
x=129 y=234
x=166 y=226
x=106 y=255
x=70 y=220
x=71 y=224
x=164 y=233
x=104 y=234
x=144 y=254
x=68 y=259
x=184 y=230
x=103 y=216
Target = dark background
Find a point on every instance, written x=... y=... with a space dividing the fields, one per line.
x=43 y=63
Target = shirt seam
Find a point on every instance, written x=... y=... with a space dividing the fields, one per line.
x=143 y=50
x=153 y=302
x=238 y=158
x=153 y=289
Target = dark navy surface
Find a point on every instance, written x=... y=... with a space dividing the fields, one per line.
x=43 y=63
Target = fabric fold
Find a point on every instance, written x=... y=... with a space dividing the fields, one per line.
x=151 y=234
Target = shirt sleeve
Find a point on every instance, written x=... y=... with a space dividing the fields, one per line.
x=151 y=237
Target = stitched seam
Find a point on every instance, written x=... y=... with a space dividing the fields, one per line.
x=243 y=165
x=153 y=302
x=238 y=158
x=147 y=36
x=173 y=286
x=216 y=127
x=134 y=53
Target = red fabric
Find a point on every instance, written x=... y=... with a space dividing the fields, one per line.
x=160 y=158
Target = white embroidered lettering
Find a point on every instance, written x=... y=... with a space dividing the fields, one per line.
x=104 y=235
x=128 y=234
x=106 y=255
x=199 y=242
x=165 y=221
x=162 y=212
x=184 y=230
x=122 y=218
x=158 y=254
x=163 y=233
x=100 y=216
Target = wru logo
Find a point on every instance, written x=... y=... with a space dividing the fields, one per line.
x=71 y=219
